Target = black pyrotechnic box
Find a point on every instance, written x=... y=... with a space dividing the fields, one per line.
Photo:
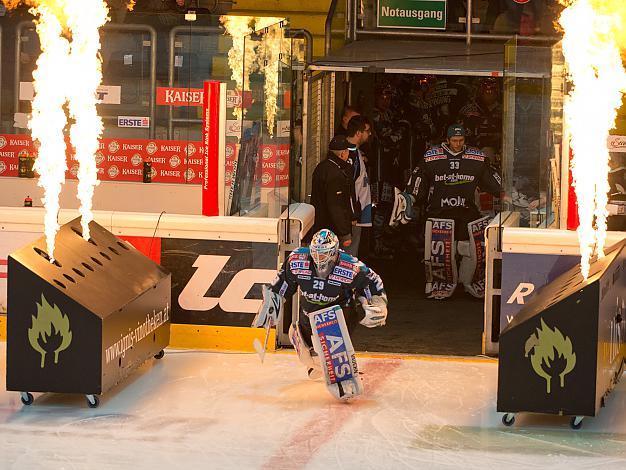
x=84 y=322
x=564 y=351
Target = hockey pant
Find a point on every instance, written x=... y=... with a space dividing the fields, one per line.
x=332 y=343
x=440 y=258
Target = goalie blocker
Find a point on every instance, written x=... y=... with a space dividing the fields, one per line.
x=440 y=258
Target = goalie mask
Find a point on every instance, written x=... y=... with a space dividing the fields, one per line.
x=324 y=251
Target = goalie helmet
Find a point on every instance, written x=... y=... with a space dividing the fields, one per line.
x=324 y=251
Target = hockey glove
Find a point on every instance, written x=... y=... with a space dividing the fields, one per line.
x=269 y=311
x=375 y=311
x=402 y=212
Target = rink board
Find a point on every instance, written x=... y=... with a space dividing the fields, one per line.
x=520 y=261
x=564 y=351
x=217 y=263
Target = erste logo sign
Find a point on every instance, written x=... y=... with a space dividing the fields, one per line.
x=133 y=121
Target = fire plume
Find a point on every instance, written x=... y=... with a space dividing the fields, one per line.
x=593 y=40
x=68 y=73
x=247 y=55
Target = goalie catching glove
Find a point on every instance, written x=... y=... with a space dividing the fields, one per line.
x=269 y=311
x=375 y=311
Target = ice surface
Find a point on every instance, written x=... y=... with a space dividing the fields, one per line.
x=201 y=410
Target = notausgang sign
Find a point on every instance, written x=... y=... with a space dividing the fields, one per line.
x=422 y=14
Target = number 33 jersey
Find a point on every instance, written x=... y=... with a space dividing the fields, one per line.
x=349 y=276
x=448 y=181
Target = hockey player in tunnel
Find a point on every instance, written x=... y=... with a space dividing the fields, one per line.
x=482 y=117
x=325 y=276
x=446 y=98
x=447 y=181
x=390 y=130
x=419 y=113
x=388 y=162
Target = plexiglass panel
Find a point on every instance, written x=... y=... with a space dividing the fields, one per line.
x=533 y=101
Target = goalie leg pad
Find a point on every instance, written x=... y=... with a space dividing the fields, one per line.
x=440 y=258
x=332 y=344
x=472 y=269
x=304 y=352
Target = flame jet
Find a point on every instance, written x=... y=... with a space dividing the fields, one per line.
x=592 y=41
x=261 y=56
x=69 y=71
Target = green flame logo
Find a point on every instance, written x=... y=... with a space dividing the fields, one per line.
x=50 y=331
x=546 y=345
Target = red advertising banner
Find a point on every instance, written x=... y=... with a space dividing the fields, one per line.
x=274 y=165
x=167 y=96
x=211 y=142
x=173 y=161
x=11 y=148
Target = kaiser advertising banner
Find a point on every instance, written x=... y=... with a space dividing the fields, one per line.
x=173 y=161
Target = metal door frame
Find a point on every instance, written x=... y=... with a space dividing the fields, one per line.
x=191 y=30
x=327 y=84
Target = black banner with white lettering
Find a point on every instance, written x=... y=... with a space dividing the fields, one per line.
x=217 y=282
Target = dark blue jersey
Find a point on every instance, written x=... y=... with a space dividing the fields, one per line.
x=349 y=277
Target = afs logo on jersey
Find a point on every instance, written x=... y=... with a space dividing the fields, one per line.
x=443 y=224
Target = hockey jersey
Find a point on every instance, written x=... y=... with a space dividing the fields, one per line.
x=349 y=276
x=448 y=182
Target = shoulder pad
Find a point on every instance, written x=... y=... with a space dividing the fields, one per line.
x=347 y=258
x=350 y=262
x=300 y=253
x=435 y=153
x=473 y=153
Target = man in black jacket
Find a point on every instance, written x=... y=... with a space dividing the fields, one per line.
x=331 y=192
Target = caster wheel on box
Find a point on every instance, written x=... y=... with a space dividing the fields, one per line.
x=93 y=401
x=508 y=419
x=27 y=398
x=576 y=422
x=159 y=355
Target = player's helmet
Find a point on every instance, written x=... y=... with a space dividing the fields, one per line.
x=488 y=86
x=324 y=251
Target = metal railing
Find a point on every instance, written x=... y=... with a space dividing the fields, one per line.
x=189 y=30
x=308 y=41
x=108 y=27
x=354 y=33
